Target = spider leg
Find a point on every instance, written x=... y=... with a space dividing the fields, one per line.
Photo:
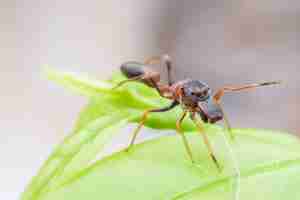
x=220 y=93
x=137 y=78
x=205 y=139
x=162 y=59
x=144 y=118
x=184 y=139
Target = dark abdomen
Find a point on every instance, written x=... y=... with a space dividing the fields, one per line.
x=132 y=69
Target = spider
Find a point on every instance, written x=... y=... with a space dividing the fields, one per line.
x=194 y=96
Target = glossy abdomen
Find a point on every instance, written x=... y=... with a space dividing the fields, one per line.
x=140 y=72
x=132 y=69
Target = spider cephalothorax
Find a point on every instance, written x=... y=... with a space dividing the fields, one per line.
x=193 y=92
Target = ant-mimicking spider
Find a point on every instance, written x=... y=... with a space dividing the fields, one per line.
x=189 y=94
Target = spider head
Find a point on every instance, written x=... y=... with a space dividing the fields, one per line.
x=194 y=91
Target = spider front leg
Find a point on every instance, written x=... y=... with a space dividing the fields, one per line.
x=220 y=93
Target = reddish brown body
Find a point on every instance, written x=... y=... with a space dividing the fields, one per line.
x=187 y=93
x=194 y=96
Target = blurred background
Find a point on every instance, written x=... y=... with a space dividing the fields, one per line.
x=219 y=42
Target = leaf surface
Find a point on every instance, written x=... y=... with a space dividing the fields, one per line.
x=159 y=169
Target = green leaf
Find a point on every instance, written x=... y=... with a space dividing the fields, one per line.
x=131 y=99
x=269 y=162
x=160 y=169
x=74 y=153
x=83 y=85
